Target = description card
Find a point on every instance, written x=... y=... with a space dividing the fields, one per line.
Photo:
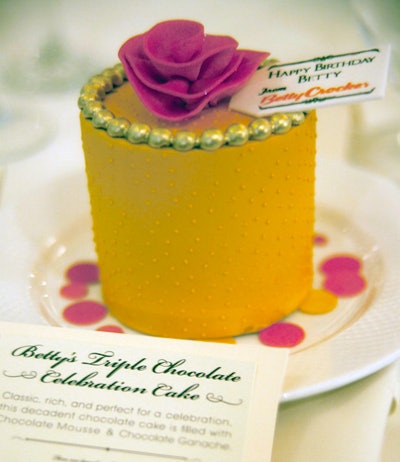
x=314 y=83
x=76 y=396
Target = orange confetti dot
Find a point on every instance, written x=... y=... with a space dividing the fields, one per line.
x=319 y=301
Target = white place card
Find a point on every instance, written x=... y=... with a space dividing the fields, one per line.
x=315 y=83
x=70 y=395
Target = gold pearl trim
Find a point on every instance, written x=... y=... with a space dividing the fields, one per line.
x=91 y=104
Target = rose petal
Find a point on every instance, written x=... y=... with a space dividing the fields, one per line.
x=206 y=85
x=178 y=41
x=177 y=86
x=133 y=47
x=217 y=63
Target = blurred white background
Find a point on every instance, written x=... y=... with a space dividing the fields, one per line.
x=57 y=35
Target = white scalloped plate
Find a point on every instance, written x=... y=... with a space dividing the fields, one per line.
x=360 y=213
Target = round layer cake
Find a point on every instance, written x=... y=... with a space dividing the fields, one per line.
x=203 y=227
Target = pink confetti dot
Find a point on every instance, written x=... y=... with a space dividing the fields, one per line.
x=84 y=273
x=320 y=239
x=340 y=263
x=74 y=290
x=85 y=312
x=111 y=328
x=345 y=283
x=282 y=334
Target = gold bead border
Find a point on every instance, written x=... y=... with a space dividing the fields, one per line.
x=91 y=104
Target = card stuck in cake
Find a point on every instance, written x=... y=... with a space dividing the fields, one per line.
x=315 y=83
x=82 y=396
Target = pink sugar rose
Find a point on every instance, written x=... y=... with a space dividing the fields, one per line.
x=177 y=70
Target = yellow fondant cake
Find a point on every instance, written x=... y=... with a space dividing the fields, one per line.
x=203 y=227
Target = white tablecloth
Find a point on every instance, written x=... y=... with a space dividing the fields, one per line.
x=347 y=424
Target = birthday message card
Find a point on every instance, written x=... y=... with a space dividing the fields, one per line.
x=315 y=83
